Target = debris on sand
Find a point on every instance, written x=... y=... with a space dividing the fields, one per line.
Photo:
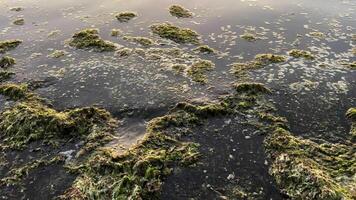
x=19 y=21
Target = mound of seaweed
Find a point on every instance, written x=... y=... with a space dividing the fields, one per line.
x=176 y=34
x=139 y=172
x=90 y=39
x=8 y=45
x=307 y=170
x=31 y=119
x=180 y=12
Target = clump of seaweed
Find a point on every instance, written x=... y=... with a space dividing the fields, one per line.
x=115 y=32
x=14 y=91
x=144 y=41
x=180 y=12
x=19 y=21
x=124 y=52
x=251 y=88
x=29 y=121
x=174 y=33
x=138 y=173
x=90 y=39
x=308 y=170
x=351 y=65
x=7 y=61
x=198 y=69
x=351 y=113
x=204 y=49
x=317 y=34
x=249 y=37
x=16 y=174
x=296 y=53
x=125 y=16
x=57 y=54
x=5 y=75
x=8 y=45
x=266 y=59
x=17 y=9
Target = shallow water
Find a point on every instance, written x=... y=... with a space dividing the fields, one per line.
x=313 y=95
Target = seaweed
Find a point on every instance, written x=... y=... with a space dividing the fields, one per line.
x=7 y=61
x=5 y=75
x=57 y=54
x=19 y=21
x=296 y=53
x=125 y=16
x=174 y=33
x=14 y=91
x=266 y=59
x=180 y=12
x=90 y=39
x=198 y=69
x=204 y=49
x=251 y=88
x=140 y=40
x=304 y=169
x=249 y=37
x=137 y=173
x=8 y=45
x=29 y=121
x=351 y=113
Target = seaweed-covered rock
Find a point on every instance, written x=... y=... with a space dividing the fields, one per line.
x=304 y=169
x=125 y=16
x=174 y=33
x=249 y=37
x=198 y=69
x=90 y=39
x=180 y=12
x=8 y=45
x=7 y=61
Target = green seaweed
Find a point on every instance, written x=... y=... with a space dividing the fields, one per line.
x=296 y=53
x=15 y=175
x=5 y=75
x=19 y=21
x=351 y=113
x=140 y=40
x=14 y=91
x=174 y=33
x=90 y=39
x=8 y=45
x=204 y=49
x=125 y=16
x=7 y=61
x=304 y=169
x=29 y=121
x=266 y=59
x=249 y=37
x=198 y=69
x=251 y=88
x=180 y=12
